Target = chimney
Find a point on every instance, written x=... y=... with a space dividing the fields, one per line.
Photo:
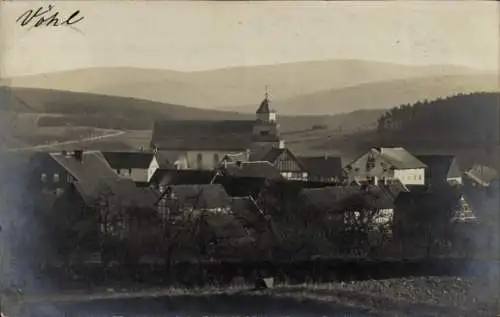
x=281 y=144
x=78 y=154
x=247 y=154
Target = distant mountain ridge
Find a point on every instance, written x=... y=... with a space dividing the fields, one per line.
x=238 y=87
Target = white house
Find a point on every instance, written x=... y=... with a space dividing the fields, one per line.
x=384 y=164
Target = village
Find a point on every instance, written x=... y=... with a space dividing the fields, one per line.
x=233 y=191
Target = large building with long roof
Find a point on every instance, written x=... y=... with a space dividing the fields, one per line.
x=204 y=143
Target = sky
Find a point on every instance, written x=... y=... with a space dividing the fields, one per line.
x=194 y=36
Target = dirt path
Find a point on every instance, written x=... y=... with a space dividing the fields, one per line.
x=56 y=144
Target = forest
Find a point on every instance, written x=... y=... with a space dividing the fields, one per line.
x=462 y=120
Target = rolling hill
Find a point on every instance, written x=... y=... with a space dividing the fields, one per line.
x=34 y=113
x=387 y=94
x=235 y=88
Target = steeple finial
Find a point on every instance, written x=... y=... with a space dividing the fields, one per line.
x=267 y=92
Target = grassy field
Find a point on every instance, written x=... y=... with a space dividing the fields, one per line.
x=423 y=296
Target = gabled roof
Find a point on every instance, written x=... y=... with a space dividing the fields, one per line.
x=207 y=196
x=265 y=153
x=251 y=170
x=442 y=166
x=202 y=134
x=124 y=160
x=95 y=177
x=400 y=158
x=182 y=177
x=483 y=175
x=120 y=192
x=324 y=166
x=91 y=170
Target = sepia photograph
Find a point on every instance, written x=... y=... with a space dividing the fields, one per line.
x=249 y=158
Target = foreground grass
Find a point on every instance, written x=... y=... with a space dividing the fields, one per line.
x=422 y=296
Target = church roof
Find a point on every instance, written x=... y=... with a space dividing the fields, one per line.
x=265 y=106
x=202 y=134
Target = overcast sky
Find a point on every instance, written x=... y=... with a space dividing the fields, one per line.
x=191 y=36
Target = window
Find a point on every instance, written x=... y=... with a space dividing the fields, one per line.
x=43 y=177
x=216 y=159
x=264 y=132
x=199 y=160
x=55 y=178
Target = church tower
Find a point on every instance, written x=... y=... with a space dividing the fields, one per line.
x=266 y=129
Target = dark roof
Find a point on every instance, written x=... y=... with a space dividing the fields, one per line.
x=326 y=166
x=329 y=198
x=93 y=169
x=266 y=153
x=202 y=134
x=441 y=166
x=182 y=177
x=95 y=177
x=251 y=170
x=341 y=198
x=265 y=106
x=199 y=196
x=124 y=160
x=120 y=192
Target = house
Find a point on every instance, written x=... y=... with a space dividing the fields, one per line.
x=282 y=159
x=380 y=164
x=481 y=175
x=205 y=142
x=86 y=173
x=326 y=169
x=133 y=165
x=92 y=176
x=441 y=170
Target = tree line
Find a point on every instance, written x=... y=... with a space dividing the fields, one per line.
x=468 y=118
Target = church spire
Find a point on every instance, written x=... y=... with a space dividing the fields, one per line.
x=265 y=105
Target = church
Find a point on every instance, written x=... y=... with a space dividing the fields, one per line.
x=202 y=144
